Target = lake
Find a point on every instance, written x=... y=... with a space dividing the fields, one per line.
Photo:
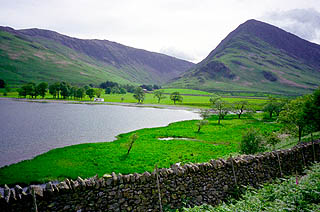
x=28 y=129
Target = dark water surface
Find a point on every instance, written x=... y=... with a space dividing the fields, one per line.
x=29 y=129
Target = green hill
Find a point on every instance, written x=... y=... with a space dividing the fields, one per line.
x=42 y=55
x=257 y=57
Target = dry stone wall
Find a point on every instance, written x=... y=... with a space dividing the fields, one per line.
x=191 y=184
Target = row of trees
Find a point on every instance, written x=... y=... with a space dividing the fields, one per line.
x=111 y=87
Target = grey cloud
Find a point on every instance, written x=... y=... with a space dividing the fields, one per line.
x=177 y=53
x=303 y=22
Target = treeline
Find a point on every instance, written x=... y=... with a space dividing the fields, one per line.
x=115 y=88
x=58 y=90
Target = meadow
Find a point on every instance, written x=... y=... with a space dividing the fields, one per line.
x=86 y=160
x=191 y=98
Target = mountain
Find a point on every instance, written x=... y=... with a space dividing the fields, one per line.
x=257 y=57
x=42 y=55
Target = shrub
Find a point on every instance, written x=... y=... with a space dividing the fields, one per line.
x=251 y=142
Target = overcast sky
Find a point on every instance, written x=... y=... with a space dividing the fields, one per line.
x=187 y=29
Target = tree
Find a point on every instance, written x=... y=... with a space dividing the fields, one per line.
x=80 y=93
x=294 y=116
x=42 y=89
x=115 y=90
x=202 y=123
x=274 y=106
x=2 y=83
x=30 y=89
x=65 y=89
x=22 y=92
x=108 y=90
x=90 y=92
x=312 y=112
x=204 y=113
x=139 y=94
x=132 y=138
x=176 y=97
x=251 y=142
x=159 y=94
x=123 y=91
x=221 y=107
x=98 y=92
x=73 y=92
x=240 y=107
x=54 y=89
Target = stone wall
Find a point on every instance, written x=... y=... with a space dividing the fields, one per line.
x=191 y=184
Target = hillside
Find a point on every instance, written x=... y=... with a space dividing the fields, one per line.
x=257 y=57
x=43 y=55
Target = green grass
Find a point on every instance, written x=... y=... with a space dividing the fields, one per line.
x=190 y=100
x=282 y=195
x=85 y=160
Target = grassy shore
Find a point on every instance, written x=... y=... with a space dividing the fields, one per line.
x=193 y=98
x=85 y=160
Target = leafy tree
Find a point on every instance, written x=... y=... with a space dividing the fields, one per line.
x=220 y=106
x=139 y=94
x=2 y=83
x=22 y=92
x=108 y=90
x=294 y=116
x=98 y=92
x=73 y=92
x=240 y=106
x=132 y=138
x=205 y=113
x=6 y=90
x=80 y=93
x=54 y=90
x=122 y=91
x=115 y=90
x=176 y=97
x=159 y=94
x=156 y=87
x=30 y=89
x=251 y=142
x=90 y=92
x=312 y=112
x=42 y=89
x=202 y=123
x=274 y=106
x=65 y=89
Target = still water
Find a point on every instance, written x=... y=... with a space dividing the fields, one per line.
x=28 y=129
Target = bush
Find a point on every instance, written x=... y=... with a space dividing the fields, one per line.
x=251 y=142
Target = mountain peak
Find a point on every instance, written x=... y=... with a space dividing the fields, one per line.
x=261 y=57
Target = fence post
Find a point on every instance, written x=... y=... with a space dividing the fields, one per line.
x=158 y=185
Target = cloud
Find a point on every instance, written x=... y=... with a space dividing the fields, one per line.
x=304 y=23
x=177 y=53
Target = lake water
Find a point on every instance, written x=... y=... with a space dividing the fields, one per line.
x=28 y=129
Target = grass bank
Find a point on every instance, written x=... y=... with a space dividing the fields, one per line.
x=193 y=98
x=293 y=194
x=86 y=160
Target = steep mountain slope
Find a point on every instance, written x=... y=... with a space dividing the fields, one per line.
x=257 y=57
x=43 y=55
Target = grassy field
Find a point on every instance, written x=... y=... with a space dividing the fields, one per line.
x=85 y=160
x=193 y=99
x=283 y=195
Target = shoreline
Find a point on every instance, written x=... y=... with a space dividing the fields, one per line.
x=157 y=106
